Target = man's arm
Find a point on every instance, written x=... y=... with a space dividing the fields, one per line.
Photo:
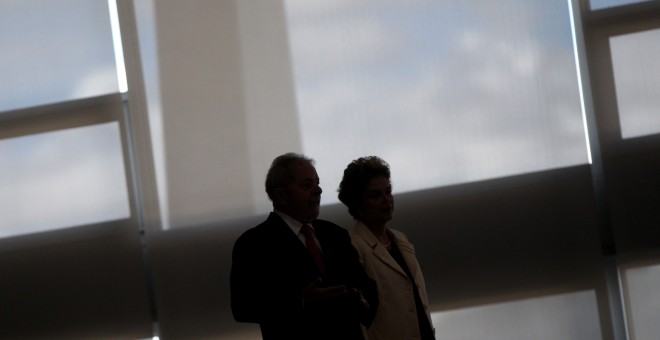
x=245 y=299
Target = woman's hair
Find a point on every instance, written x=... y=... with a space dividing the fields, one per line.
x=282 y=169
x=357 y=176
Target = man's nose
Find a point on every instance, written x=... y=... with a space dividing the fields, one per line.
x=318 y=189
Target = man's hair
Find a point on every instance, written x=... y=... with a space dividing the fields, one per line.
x=357 y=176
x=281 y=170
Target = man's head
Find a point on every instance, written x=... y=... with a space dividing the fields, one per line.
x=293 y=185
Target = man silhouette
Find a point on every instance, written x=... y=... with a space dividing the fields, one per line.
x=275 y=278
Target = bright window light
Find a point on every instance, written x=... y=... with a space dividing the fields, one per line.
x=637 y=80
x=55 y=51
x=119 y=51
x=62 y=179
x=446 y=92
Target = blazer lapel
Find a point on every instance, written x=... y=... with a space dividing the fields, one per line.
x=379 y=251
x=408 y=252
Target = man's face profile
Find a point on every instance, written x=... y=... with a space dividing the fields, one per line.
x=302 y=195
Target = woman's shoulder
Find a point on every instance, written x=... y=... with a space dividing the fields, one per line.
x=361 y=238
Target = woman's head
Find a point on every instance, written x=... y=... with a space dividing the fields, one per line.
x=366 y=190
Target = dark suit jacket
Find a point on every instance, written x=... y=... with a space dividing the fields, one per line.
x=270 y=268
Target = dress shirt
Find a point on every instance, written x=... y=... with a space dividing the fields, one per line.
x=296 y=226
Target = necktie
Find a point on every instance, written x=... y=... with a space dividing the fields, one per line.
x=312 y=247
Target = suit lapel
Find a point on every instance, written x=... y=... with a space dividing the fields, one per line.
x=291 y=244
x=377 y=248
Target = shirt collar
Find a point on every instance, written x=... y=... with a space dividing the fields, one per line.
x=291 y=222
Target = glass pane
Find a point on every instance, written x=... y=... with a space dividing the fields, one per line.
x=446 y=92
x=55 y=51
x=571 y=316
x=62 y=179
x=637 y=81
x=642 y=301
x=601 y=4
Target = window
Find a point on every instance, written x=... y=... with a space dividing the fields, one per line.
x=62 y=179
x=62 y=156
x=446 y=92
x=54 y=51
x=637 y=80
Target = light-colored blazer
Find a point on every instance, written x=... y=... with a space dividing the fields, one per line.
x=396 y=317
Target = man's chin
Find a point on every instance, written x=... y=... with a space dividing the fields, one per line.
x=314 y=213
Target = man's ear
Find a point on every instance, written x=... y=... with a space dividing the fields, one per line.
x=279 y=195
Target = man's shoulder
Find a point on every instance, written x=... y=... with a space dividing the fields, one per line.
x=261 y=230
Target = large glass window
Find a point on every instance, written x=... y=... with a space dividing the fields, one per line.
x=62 y=179
x=58 y=52
x=55 y=51
x=446 y=92
x=637 y=79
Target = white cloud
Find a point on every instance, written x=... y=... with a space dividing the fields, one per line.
x=91 y=82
